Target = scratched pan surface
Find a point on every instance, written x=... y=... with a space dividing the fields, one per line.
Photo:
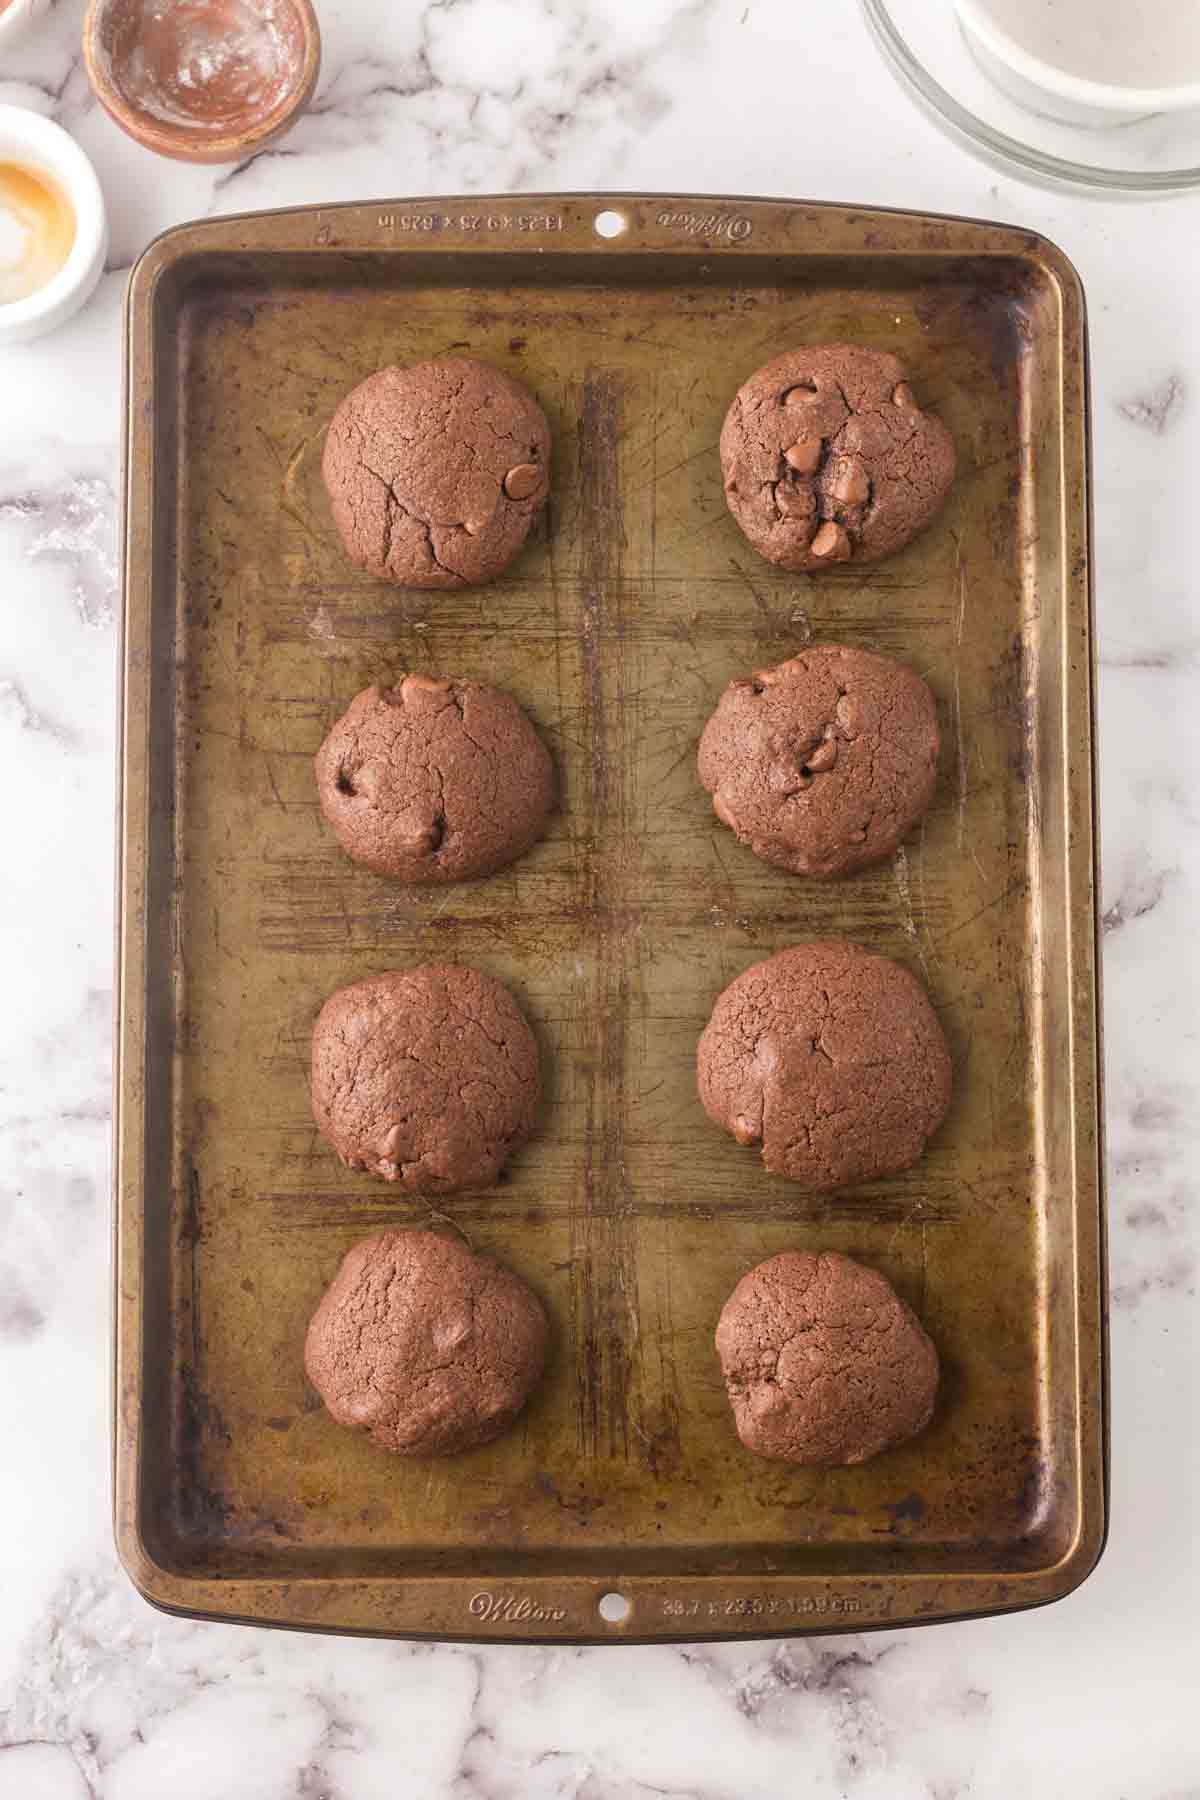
x=247 y=631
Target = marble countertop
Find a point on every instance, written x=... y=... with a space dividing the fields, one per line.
x=101 y=1696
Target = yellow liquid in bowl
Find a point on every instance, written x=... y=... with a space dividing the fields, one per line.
x=37 y=230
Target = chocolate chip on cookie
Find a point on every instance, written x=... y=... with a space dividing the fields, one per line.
x=435 y=779
x=437 y=471
x=427 y=1347
x=829 y=1058
x=824 y=763
x=828 y=458
x=426 y=1076
x=823 y=1361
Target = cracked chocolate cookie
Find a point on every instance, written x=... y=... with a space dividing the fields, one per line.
x=829 y=1058
x=425 y=1346
x=823 y=764
x=437 y=471
x=827 y=457
x=823 y=1361
x=426 y=1076
x=435 y=780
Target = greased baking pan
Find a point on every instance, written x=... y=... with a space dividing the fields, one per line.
x=247 y=631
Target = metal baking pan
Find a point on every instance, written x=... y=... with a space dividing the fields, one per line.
x=246 y=631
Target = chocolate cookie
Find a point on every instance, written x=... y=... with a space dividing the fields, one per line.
x=426 y=1076
x=831 y=1059
x=828 y=457
x=436 y=472
x=435 y=780
x=824 y=1363
x=425 y=1346
x=823 y=764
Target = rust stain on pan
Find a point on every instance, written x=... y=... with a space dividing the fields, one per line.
x=601 y=1297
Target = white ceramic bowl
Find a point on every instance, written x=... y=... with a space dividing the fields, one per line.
x=26 y=137
x=18 y=16
x=1057 y=94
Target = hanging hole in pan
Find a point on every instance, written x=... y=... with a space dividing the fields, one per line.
x=610 y=224
x=613 y=1609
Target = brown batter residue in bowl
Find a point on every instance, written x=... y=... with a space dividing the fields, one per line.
x=202 y=79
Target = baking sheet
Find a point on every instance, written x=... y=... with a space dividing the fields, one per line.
x=247 y=632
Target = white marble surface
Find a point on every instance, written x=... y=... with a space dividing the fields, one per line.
x=1092 y=1698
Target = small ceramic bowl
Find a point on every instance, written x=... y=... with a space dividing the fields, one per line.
x=28 y=139
x=208 y=81
x=18 y=16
